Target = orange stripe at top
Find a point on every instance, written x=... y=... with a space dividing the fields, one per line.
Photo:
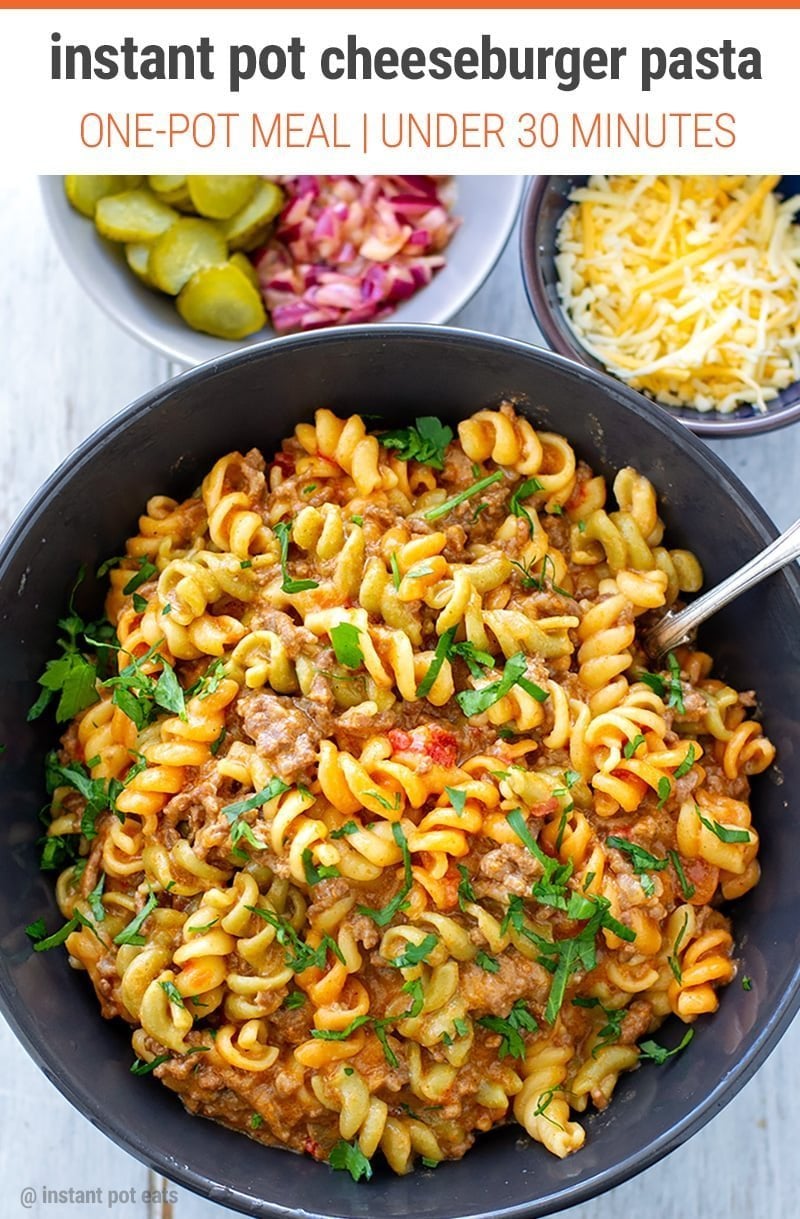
x=403 y=4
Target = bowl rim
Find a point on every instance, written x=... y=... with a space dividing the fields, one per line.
x=22 y=1022
x=56 y=208
x=709 y=423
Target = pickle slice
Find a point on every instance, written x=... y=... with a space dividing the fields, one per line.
x=248 y=228
x=84 y=191
x=172 y=189
x=221 y=301
x=137 y=254
x=244 y=264
x=219 y=196
x=187 y=246
x=133 y=215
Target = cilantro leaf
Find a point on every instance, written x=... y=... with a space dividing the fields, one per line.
x=466 y=893
x=425 y=441
x=398 y=902
x=443 y=649
x=414 y=954
x=675 y=689
x=632 y=746
x=489 y=964
x=523 y=491
x=314 y=873
x=172 y=993
x=473 y=657
x=130 y=934
x=168 y=692
x=687 y=889
x=293 y=1000
x=348 y=1157
x=283 y=532
x=721 y=831
x=275 y=787
x=475 y=702
x=510 y=1028
x=138 y=1067
x=658 y=1054
x=344 y=638
x=687 y=763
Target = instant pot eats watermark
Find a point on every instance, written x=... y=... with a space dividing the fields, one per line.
x=97 y=1195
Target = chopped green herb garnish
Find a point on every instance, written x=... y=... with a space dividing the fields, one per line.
x=72 y=676
x=687 y=889
x=687 y=763
x=721 y=831
x=443 y=649
x=674 y=960
x=314 y=873
x=95 y=900
x=344 y=638
x=415 y=954
x=172 y=993
x=146 y=572
x=675 y=688
x=397 y=578
x=139 y=603
x=484 y=961
x=256 y=1121
x=475 y=702
x=466 y=893
x=473 y=657
x=425 y=441
x=632 y=746
x=433 y=514
x=348 y=1157
x=664 y=790
x=340 y=1034
x=357 y=520
x=138 y=1067
x=293 y=1000
x=275 y=787
x=398 y=902
x=658 y=1054
x=299 y=955
x=458 y=799
x=747 y=983
x=523 y=491
x=510 y=1028
x=130 y=934
x=349 y=827
x=283 y=532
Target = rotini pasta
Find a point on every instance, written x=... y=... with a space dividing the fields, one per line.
x=379 y=831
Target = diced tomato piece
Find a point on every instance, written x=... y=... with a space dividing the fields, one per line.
x=400 y=740
x=313 y=1148
x=285 y=463
x=441 y=747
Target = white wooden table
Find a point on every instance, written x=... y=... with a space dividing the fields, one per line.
x=66 y=368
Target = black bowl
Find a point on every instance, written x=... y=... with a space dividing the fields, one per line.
x=164 y=443
x=544 y=203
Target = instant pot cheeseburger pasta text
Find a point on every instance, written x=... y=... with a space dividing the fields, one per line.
x=379 y=829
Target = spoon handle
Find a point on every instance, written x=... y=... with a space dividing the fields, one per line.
x=674 y=629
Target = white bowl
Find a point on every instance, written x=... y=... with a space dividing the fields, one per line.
x=487 y=206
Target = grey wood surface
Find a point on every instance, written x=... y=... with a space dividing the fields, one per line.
x=66 y=369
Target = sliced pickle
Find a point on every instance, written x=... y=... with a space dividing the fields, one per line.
x=222 y=301
x=133 y=215
x=137 y=254
x=248 y=228
x=171 y=189
x=84 y=191
x=187 y=246
x=244 y=264
x=219 y=196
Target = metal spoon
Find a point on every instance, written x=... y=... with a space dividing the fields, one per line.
x=677 y=628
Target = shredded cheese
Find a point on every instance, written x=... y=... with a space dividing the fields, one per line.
x=685 y=287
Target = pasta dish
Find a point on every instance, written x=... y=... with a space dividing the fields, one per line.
x=371 y=816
